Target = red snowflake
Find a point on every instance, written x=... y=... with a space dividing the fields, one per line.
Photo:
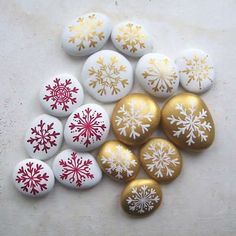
x=43 y=136
x=88 y=127
x=61 y=94
x=75 y=169
x=32 y=178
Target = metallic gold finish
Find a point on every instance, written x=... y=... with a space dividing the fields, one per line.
x=161 y=160
x=134 y=118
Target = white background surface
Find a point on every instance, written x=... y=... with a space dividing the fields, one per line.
x=202 y=200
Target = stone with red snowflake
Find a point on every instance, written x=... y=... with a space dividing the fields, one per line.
x=76 y=170
x=43 y=137
x=87 y=127
x=33 y=178
x=61 y=95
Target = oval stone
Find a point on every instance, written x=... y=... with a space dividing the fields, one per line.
x=117 y=161
x=187 y=122
x=141 y=197
x=161 y=160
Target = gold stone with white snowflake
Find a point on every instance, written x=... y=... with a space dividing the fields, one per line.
x=187 y=122
x=196 y=70
x=161 y=160
x=134 y=118
x=117 y=161
x=157 y=74
x=131 y=39
x=107 y=76
x=86 y=34
x=141 y=197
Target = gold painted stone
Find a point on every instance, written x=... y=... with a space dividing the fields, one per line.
x=117 y=161
x=141 y=197
x=134 y=118
x=187 y=122
x=161 y=160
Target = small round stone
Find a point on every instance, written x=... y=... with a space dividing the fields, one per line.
x=87 y=127
x=61 y=95
x=131 y=39
x=43 y=137
x=134 y=118
x=157 y=74
x=196 y=71
x=117 y=161
x=33 y=178
x=76 y=170
x=107 y=76
x=86 y=34
x=161 y=160
x=141 y=197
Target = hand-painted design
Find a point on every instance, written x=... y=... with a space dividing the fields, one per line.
x=119 y=162
x=32 y=178
x=61 y=94
x=197 y=69
x=76 y=170
x=86 y=31
x=132 y=117
x=131 y=37
x=87 y=127
x=142 y=199
x=107 y=76
x=161 y=75
x=43 y=137
x=190 y=124
x=162 y=161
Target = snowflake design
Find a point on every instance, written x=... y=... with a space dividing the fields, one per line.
x=32 y=178
x=132 y=117
x=161 y=75
x=61 y=94
x=87 y=127
x=190 y=124
x=161 y=157
x=197 y=70
x=75 y=169
x=86 y=31
x=142 y=199
x=131 y=37
x=107 y=76
x=43 y=137
x=119 y=162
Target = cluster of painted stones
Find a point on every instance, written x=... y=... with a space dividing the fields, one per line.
x=108 y=77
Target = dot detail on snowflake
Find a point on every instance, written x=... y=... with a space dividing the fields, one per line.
x=190 y=124
x=143 y=199
x=61 y=94
x=33 y=178
x=87 y=127
x=43 y=137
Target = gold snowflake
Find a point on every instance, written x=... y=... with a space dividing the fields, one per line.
x=197 y=69
x=131 y=36
x=86 y=31
x=107 y=76
x=161 y=75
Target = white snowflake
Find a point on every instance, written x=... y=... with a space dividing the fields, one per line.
x=142 y=199
x=161 y=159
x=190 y=124
x=133 y=117
x=119 y=162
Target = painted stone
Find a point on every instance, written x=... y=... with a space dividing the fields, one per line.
x=134 y=118
x=187 y=122
x=107 y=76
x=76 y=170
x=43 y=137
x=141 y=197
x=117 y=161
